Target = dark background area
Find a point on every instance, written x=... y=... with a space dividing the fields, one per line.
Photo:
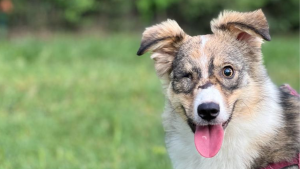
x=128 y=15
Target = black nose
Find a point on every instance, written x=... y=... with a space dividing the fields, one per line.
x=208 y=111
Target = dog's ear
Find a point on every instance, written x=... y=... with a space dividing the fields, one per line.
x=163 y=40
x=250 y=27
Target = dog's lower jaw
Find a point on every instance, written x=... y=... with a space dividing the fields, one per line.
x=241 y=140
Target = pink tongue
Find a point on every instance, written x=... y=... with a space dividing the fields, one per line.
x=208 y=139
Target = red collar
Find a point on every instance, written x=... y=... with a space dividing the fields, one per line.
x=280 y=165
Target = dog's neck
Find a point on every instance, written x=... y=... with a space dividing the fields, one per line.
x=242 y=141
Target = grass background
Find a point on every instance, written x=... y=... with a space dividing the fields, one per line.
x=89 y=102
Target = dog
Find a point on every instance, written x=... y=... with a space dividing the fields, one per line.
x=222 y=111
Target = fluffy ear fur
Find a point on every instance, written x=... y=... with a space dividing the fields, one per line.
x=163 y=40
x=250 y=27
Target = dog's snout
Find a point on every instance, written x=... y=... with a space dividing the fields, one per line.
x=208 y=111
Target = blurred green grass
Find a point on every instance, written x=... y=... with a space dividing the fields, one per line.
x=89 y=102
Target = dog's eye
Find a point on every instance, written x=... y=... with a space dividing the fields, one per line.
x=228 y=71
x=188 y=75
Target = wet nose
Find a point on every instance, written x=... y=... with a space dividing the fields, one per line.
x=208 y=111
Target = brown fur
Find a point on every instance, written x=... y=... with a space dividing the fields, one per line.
x=253 y=23
x=164 y=39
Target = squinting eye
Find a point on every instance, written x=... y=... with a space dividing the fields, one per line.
x=227 y=71
x=188 y=75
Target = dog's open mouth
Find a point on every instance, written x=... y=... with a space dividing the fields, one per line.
x=209 y=138
x=193 y=125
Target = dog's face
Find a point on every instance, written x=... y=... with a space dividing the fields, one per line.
x=206 y=73
x=208 y=77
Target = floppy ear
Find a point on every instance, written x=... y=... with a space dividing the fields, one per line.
x=163 y=40
x=251 y=27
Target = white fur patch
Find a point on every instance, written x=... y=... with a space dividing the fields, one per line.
x=210 y=94
x=203 y=59
x=204 y=39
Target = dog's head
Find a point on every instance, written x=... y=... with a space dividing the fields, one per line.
x=208 y=79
